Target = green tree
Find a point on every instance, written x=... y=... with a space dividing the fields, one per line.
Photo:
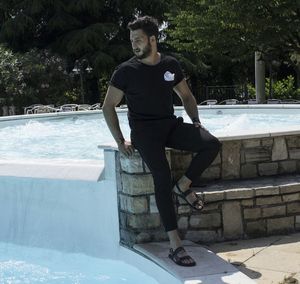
x=94 y=29
x=79 y=29
x=235 y=29
x=35 y=77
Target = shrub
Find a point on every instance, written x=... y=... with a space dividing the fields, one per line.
x=282 y=89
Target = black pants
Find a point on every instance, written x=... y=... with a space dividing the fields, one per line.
x=151 y=137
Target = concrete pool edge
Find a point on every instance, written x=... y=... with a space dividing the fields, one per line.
x=122 y=110
x=93 y=169
x=65 y=170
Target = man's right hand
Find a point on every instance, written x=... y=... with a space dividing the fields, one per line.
x=126 y=148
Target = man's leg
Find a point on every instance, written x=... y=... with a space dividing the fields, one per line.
x=187 y=137
x=159 y=167
x=150 y=145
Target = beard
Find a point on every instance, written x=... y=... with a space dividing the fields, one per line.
x=145 y=52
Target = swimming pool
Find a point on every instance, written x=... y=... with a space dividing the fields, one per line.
x=66 y=231
x=76 y=136
x=76 y=218
x=24 y=265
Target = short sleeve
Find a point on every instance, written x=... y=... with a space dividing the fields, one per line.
x=179 y=76
x=118 y=78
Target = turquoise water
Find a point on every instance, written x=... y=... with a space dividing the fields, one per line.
x=77 y=136
x=23 y=265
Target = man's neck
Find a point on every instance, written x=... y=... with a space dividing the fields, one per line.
x=152 y=59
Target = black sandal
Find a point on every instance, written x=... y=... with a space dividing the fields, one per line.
x=180 y=260
x=184 y=194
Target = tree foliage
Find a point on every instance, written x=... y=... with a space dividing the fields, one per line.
x=231 y=31
x=235 y=27
x=282 y=89
x=34 y=77
x=92 y=29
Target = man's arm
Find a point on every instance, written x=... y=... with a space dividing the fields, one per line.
x=188 y=101
x=112 y=99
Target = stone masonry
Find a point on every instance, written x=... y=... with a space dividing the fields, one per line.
x=249 y=207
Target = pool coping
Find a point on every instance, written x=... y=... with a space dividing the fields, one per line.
x=64 y=170
x=90 y=112
x=90 y=170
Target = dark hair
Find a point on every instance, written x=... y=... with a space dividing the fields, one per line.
x=147 y=24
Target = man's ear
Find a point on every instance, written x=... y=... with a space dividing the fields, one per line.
x=152 y=38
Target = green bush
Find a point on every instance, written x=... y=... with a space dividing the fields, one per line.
x=282 y=89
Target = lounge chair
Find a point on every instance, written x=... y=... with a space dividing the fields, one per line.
x=95 y=106
x=229 y=102
x=38 y=108
x=29 y=109
x=84 y=107
x=273 y=101
x=68 y=107
x=251 y=102
x=209 y=102
x=290 y=101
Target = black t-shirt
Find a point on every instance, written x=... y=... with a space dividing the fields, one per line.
x=148 y=89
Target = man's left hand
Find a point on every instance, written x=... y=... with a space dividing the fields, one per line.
x=198 y=124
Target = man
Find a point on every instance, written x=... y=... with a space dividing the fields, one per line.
x=147 y=80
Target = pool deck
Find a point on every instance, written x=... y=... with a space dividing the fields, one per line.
x=270 y=260
x=210 y=268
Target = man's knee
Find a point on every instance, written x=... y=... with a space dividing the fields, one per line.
x=213 y=145
x=217 y=145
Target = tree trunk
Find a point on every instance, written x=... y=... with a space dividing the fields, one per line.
x=260 y=78
x=297 y=69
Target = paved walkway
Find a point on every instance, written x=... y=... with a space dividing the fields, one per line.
x=210 y=268
x=270 y=260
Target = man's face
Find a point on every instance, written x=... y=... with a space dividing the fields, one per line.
x=140 y=44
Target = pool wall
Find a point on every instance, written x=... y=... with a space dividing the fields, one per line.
x=58 y=213
x=70 y=208
x=229 y=214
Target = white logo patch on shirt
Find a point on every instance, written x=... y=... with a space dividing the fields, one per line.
x=168 y=76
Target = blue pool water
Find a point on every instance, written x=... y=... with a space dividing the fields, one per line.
x=41 y=211
x=76 y=137
x=24 y=265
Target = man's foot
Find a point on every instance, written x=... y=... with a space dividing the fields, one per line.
x=189 y=196
x=180 y=257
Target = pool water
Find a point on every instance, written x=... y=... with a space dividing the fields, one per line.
x=77 y=136
x=24 y=265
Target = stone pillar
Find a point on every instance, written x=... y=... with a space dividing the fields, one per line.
x=260 y=78
x=139 y=217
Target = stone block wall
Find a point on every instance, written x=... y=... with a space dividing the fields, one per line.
x=242 y=213
x=247 y=158
x=230 y=214
x=139 y=217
